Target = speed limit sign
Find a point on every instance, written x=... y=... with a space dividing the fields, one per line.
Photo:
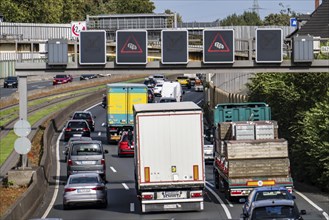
x=77 y=27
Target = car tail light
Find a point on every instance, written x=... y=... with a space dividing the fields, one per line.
x=236 y=192
x=69 y=162
x=148 y=196
x=70 y=189
x=196 y=172
x=113 y=129
x=98 y=188
x=68 y=129
x=85 y=129
x=196 y=194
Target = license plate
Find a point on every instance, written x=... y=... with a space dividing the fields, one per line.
x=171 y=195
x=88 y=162
x=115 y=137
x=77 y=135
x=83 y=190
x=170 y=206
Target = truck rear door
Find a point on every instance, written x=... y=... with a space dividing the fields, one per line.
x=117 y=108
x=135 y=95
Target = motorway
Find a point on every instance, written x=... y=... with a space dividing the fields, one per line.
x=123 y=202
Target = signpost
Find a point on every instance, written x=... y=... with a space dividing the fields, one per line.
x=131 y=47
x=174 y=47
x=92 y=47
x=269 y=43
x=218 y=46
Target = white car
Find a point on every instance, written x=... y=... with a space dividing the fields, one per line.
x=157 y=89
x=159 y=78
x=208 y=150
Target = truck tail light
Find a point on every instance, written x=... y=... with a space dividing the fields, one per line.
x=196 y=194
x=147 y=196
x=236 y=192
x=69 y=162
x=113 y=129
x=147 y=174
x=196 y=172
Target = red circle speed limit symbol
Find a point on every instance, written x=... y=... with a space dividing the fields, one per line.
x=77 y=27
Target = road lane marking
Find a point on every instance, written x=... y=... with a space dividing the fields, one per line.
x=58 y=172
x=230 y=204
x=227 y=212
x=114 y=171
x=313 y=204
x=103 y=124
x=87 y=109
x=325 y=215
x=212 y=185
x=199 y=102
x=309 y=201
x=125 y=186
x=99 y=133
x=132 y=207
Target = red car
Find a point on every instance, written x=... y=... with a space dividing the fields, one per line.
x=61 y=79
x=126 y=144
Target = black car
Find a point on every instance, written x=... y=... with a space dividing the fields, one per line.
x=150 y=95
x=85 y=115
x=88 y=76
x=76 y=128
x=10 y=81
x=150 y=82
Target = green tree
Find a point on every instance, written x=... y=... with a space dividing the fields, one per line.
x=300 y=103
x=247 y=18
x=133 y=6
x=179 y=17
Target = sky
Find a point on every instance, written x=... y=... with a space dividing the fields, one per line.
x=211 y=10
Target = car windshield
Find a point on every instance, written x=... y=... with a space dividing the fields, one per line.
x=182 y=77
x=275 y=194
x=158 y=85
x=12 y=78
x=84 y=179
x=273 y=212
x=167 y=100
x=86 y=149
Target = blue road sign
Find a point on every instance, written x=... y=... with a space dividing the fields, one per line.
x=293 y=22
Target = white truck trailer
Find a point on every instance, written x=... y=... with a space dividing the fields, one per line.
x=169 y=163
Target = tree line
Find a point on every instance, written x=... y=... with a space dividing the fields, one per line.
x=300 y=104
x=65 y=11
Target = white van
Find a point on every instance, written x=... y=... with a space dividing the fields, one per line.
x=173 y=90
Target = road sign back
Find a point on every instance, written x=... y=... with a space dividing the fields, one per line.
x=218 y=46
x=131 y=47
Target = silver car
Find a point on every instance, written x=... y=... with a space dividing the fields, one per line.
x=86 y=156
x=84 y=189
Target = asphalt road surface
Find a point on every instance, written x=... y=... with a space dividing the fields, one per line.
x=123 y=203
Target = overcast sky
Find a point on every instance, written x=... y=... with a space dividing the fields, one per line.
x=211 y=10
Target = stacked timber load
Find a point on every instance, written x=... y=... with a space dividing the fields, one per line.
x=252 y=149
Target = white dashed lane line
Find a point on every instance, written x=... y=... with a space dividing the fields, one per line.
x=125 y=186
x=114 y=171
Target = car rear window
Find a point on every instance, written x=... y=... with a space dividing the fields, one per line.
x=86 y=179
x=77 y=124
x=60 y=76
x=81 y=116
x=275 y=194
x=86 y=149
x=273 y=212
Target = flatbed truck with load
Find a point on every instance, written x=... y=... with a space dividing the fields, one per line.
x=248 y=151
x=119 y=105
x=169 y=161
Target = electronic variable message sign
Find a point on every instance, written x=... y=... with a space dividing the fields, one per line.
x=174 y=46
x=131 y=47
x=218 y=46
